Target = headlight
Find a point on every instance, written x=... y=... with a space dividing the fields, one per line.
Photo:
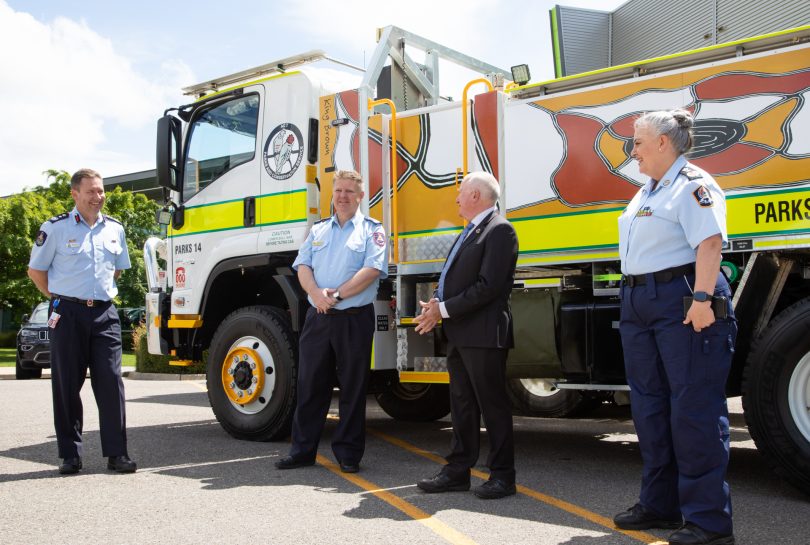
x=29 y=335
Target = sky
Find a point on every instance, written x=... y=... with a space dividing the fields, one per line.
x=83 y=82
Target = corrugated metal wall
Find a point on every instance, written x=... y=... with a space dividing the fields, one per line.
x=643 y=29
x=585 y=39
x=737 y=19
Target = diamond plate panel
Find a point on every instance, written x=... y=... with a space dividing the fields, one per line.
x=425 y=248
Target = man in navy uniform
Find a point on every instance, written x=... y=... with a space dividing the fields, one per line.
x=75 y=261
x=339 y=266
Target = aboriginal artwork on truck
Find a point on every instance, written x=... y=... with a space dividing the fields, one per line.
x=428 y=146
x=745 y=123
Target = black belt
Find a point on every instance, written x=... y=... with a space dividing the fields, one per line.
x=85 y=302
x=350 y=310
x=660 y=276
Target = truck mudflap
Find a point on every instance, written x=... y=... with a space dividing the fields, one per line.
x=154 y=342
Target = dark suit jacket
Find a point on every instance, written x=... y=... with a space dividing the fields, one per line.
x=478 y=284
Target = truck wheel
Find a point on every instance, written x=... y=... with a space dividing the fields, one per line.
x=776 y=394
x=413 y=402
x=25 y=374
x=539 y=397
x=252 y=372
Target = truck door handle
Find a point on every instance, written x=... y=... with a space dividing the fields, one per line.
x=250 y=211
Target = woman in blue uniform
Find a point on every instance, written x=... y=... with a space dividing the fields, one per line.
x=678 y=334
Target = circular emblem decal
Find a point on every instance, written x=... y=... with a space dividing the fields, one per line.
x=283 y=151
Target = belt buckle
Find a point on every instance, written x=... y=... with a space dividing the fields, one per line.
x=89 y=302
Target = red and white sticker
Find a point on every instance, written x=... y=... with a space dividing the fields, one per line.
x=379 y=238
x=180 y=277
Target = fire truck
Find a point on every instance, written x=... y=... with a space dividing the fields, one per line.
x=248 y=166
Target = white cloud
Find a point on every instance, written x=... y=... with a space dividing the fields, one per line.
x=64 y=91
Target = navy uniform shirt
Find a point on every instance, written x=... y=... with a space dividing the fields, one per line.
x=81 y=260
x=662 y=228
x=336 y=253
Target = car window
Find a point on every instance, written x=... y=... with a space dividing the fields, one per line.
x=40 y=315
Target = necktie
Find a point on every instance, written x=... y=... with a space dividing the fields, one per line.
x=449 y=261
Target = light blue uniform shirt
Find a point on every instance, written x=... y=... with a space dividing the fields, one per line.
x=662 y=228
x=81 y=260
x=336 y=253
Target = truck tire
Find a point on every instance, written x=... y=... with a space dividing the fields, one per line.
x=252 y=374
x=413 y=402
x=25 y=374
x=776 y=394
x=539 y=397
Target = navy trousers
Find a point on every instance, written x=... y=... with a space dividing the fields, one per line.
x=87 y=337
x=677 y=379
x=333 y=346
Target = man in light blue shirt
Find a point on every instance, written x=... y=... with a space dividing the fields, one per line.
x=75 y=261
x=339 y=266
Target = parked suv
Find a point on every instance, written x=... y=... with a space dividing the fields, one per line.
x=33 y=344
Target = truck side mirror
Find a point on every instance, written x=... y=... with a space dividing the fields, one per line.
x=25 y=318
x=168 y=152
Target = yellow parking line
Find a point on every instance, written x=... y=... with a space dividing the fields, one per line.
x=443 y=530
x=545 y=498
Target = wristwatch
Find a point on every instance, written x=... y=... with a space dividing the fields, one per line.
x=337 y=296
x=701 y=296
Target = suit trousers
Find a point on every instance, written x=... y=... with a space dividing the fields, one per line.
x=333 y=346
x=478 y=387
x=87 y=337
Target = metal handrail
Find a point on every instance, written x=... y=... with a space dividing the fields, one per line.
x=464 y=120
x=394 y=178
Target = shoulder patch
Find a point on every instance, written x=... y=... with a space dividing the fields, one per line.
x=106 y=217
x=378 y=238
x=691 y=173
x=42 y=236
x=59 y=217
x=703 y=196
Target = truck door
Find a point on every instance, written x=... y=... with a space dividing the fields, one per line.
x=288 y=191
x=217 y=198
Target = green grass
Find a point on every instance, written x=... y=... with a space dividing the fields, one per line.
x=7 y=358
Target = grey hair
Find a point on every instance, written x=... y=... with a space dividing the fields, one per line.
x=485 y=182
x=674 y=124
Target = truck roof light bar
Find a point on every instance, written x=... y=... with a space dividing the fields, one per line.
x=275 y=67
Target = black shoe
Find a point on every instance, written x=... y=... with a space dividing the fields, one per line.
x=121 y=464
x=349 y=467
x=494 y=489
x=692 y=534
x=290 y=462
x=640 y=518
x=69 y=466
x=442 y=482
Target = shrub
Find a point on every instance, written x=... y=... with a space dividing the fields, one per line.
x=149 y=363
x=8 y=339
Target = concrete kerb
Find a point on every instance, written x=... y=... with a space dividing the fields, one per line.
x=9 y=373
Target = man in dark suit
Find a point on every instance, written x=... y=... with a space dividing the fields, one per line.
x=472 y=301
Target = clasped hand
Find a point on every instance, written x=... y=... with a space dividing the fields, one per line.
x=429 y=317
x=324 y=299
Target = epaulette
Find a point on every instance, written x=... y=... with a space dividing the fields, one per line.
x=372 y=220
x=106 y=217
x=59 y=217
x=691 y=173
x=323 y=220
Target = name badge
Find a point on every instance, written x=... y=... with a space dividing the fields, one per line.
x=317 y=243
x=72 y=244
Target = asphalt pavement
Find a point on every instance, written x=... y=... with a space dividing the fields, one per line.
x=195 y=484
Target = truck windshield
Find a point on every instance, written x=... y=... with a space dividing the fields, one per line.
x=222 y=138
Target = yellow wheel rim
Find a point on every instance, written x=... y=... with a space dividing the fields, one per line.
x=242 y=375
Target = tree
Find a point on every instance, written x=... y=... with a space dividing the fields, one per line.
x=21 y=216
